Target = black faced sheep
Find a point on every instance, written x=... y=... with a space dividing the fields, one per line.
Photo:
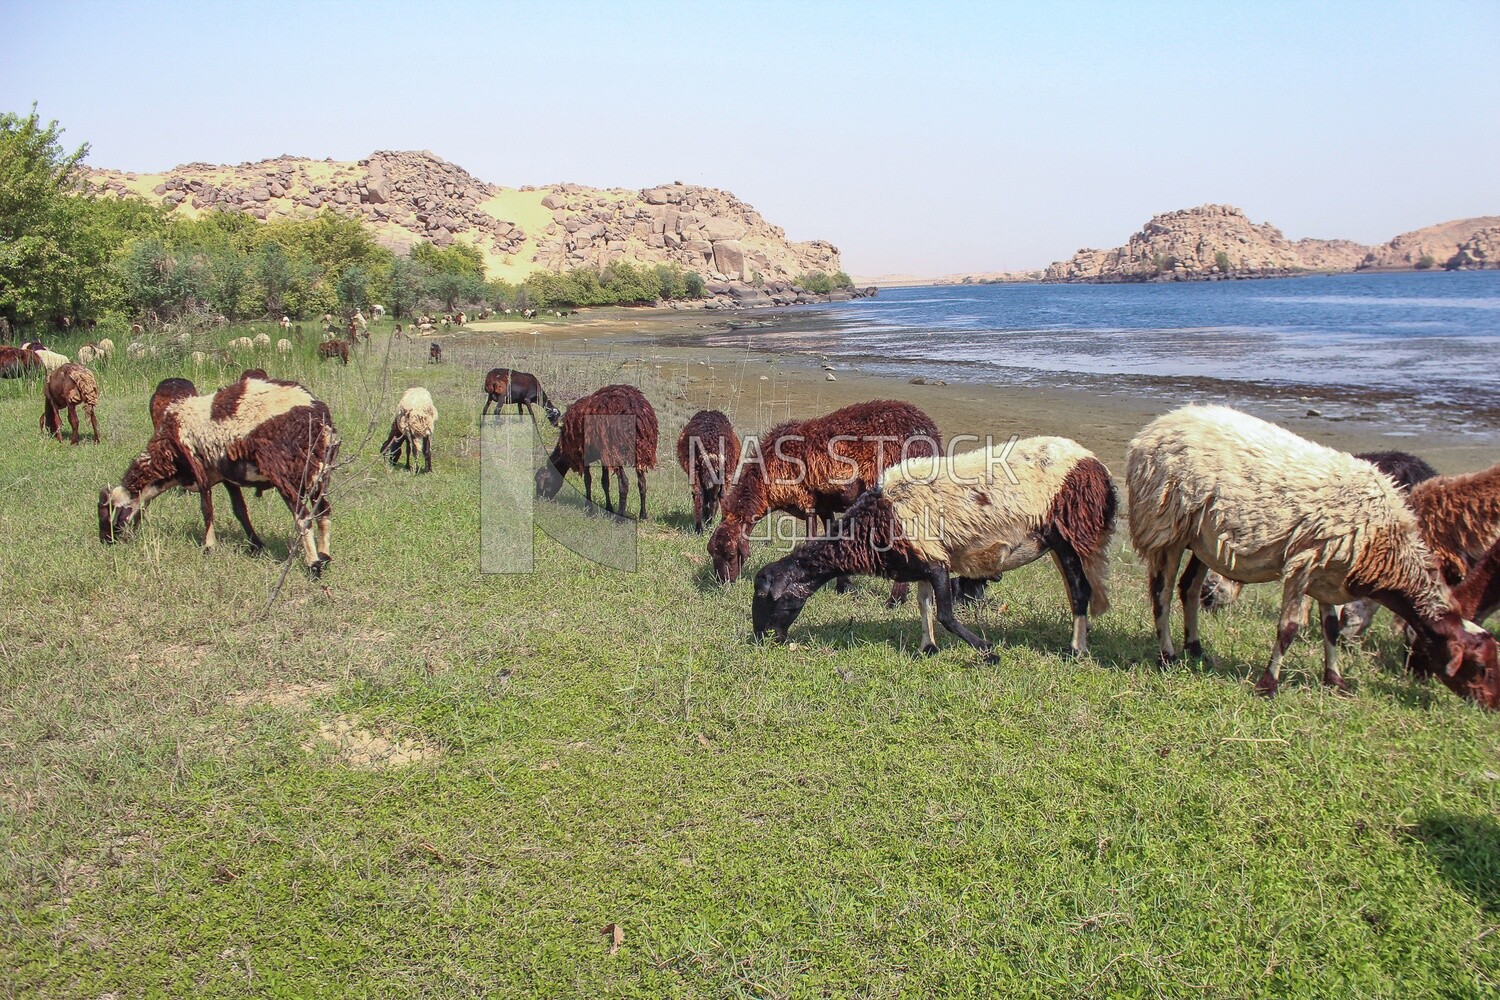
x=1256 y=503
x=708 y=451
x=416 y=417
x=938 y=517
x=68 y=387
x=503 y=386
x=614 y=426
x=253 y=432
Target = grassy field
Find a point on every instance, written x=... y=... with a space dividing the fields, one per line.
x=412 y=779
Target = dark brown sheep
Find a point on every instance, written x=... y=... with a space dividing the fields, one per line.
x=1459 y=517
x=16 y=362
x=503 y=386
x=253 y=432
x=614 y=426
x=1478 y=596
x=708 y=451
x=330 y=349
x=68 y=387
x=814 y=469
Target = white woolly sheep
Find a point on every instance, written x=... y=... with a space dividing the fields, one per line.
x=262 y=341
x=198 y=358
x=242 y=344
x=135 y=350
x=936 y=518
x=106 y=347
x=377 y=311
x=283 y=346
x=88 y=354
x=416 y=417
x=51 y=360
x=1255 y=503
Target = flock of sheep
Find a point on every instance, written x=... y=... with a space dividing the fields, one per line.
x=1248 y=501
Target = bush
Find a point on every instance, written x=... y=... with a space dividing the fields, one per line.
x=816 y=282
x=1425 y=262
x=1221 y=261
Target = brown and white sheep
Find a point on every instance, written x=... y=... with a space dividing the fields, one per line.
x=503 y=386
x=1255 y=502
x=614 y=426
x=253 y=432
x=814 y=469
x=708 y=451
x=975 y=515
x=416 y=417
x=68 y=387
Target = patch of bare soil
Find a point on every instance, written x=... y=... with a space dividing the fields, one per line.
x=369 y=748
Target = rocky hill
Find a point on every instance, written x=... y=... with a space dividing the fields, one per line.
x=1188 y=244
x=1440 y=242
x=411 y=196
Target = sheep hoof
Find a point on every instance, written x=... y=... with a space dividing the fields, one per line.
x=1194 y=650
x=929 y=650
x=1267 y=685
x=1333 y=679
x=991 y=657
x=1166 y=659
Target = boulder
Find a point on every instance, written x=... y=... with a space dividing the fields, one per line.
x=729 y=259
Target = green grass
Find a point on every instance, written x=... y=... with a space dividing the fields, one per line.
x=839 y=818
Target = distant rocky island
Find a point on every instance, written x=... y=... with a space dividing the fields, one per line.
x=406 y=197
x=1219 y=242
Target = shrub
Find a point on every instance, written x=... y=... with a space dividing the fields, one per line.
x=1221 y=261
x=1425 y=262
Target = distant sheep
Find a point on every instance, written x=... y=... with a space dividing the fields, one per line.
x=283 y=347
x=503 y=386
x=253 y=432
x=106 y=347
x=378 y=312
x=936 y=518
x=17 y=362
x=262 y=341
x=416 y=417
x=1256 y=503
x=330 y=349
x=88 y=354
x=242 y=344
x=614 y=426
x=708 y=451
x=68 y=387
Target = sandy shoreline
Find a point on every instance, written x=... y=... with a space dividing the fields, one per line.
x=760 y=387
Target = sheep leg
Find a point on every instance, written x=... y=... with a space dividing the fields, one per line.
x=486 y=411
x=73 y=420
x=410 y=450
x=1162 y=571
x=1079 y=593
x=588 y=488
x=640 y=482
x=304 y=521
x=1190 y=588
x=624 y=488
x=323 y=511
x=927 y=608
x=899 y=592
x=94 y=421
x=241 y=514
x=51 y=422
x=1356 y=618
x=604 y=477
x=1331 y=676
x=943 y=592
x=427 y=453
x=843 y=583
x=699 y=500
x=206 y=502
x=1293 y=613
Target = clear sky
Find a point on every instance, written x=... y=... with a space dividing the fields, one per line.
x=923 y=138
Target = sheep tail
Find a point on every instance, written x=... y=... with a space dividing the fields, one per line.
x=1083 y=513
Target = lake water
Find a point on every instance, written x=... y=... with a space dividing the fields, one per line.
x=1431 y=339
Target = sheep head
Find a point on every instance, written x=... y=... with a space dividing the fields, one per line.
x=549 y=479
x=1464 y=657
x=781 y=590
x=554 y=415
x=729 y=548
x=118 y=513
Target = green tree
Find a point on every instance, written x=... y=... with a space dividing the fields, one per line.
x=353 y=289
x=693 y=285
x=405 y=282
x=1221 y=261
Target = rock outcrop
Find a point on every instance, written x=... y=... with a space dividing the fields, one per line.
x=410 y=196
x=1211 y=241
x=1477 y=252
x=1440 y=242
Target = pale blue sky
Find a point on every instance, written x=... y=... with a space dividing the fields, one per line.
x=923 y=137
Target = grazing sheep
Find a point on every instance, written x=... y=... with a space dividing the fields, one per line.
x=242 y=344
x=435 y=354
x=16 y=362
x=506 y=385
x=69 y=386
x=331 y=349
x=1405 y=470
x=33 y=345
x=285 y=323
x=135 y=350
x=88 y=354
x=50 y=360
x=936 y=518
x=814 y=469
x=1460 y=518
x=283 y=347
x=378 y=312
x=1256 y=503
x=416 y=416
x=262 y=341
x=106 y=347
x=199 y=358
x=614 y=426
x=708 y=450
x=253 y=432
